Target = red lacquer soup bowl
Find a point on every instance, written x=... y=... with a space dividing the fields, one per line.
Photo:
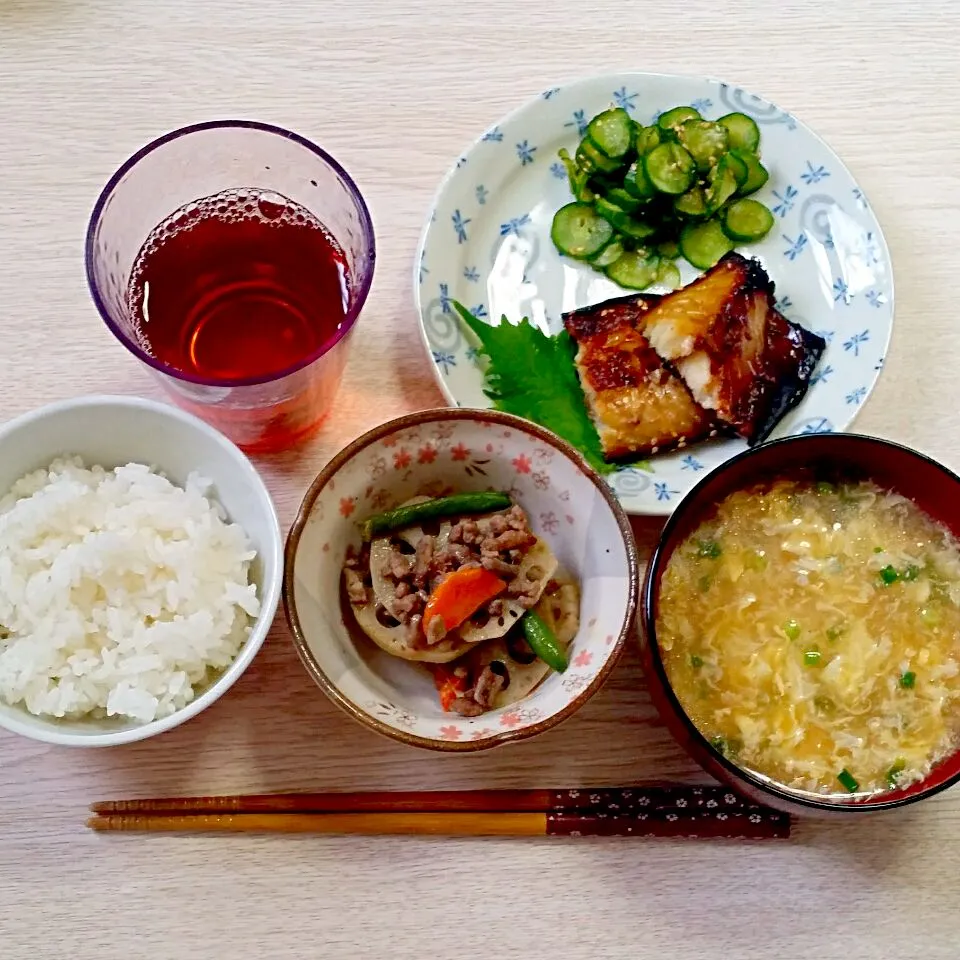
x=934 y=488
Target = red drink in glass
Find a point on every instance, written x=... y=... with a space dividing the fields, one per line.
x=242 y=298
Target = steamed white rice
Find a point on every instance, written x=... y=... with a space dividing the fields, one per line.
x=121 y=594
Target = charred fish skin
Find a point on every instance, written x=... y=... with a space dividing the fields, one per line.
x=636 y=402
x=791 y=389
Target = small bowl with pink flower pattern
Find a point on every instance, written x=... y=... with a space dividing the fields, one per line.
x=437 y=452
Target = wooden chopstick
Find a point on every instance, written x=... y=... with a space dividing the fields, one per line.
x=694 y=811
x=609 y=799
x=764 y=824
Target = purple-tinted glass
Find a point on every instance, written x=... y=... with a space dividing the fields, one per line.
x=200 y=161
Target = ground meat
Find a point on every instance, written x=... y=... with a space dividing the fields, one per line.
x=414 y=634
x=421 y=566
x=466 y=707
x=495 y=565
x=466 y=531
x=357 y=559
x=436 y=630
x=405 y=607
x=488 y=685
x=400 y=564
x=403 y=588
x=524 y=593
x=517 y=519
x=453 y=556
x=356 y=591
x=497 y=524
x=496 y=608
x=509 y=540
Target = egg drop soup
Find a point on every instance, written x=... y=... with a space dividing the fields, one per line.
x=811 y=631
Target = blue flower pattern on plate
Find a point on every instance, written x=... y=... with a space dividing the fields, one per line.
x=663 y=491
x=814 y=174
x=479 y=311
x=445 y=298
x=787 y=199
x=841 y=291
x=525 y=152
x=856 y=341
x=821 y=374
x=444 y=360
x=579 y=121
x=795 y=247
x=623 y=99
x=827 y=232
x=513 y=225
x=460 y=225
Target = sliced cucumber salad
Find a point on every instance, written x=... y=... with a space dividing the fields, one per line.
x=646 y=195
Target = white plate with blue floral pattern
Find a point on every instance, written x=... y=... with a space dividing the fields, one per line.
x=487 y=244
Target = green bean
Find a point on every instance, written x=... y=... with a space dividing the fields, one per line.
x=414 y=513
x=542 y=642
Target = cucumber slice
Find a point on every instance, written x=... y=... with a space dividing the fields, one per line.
x=723 y=184
x=739 y=168
x=591 y=158
x=646 y=138
x=579 y=231
x=637 y=183
x=668 y=274
x=670 y=168
x=613 y=251
x=636 y=229
x=578 y=178
x=744 y=133
x=692 y=204
x=703 y=244
x=623 y=199
x=670 y=121
x=757 y=174
x=706 y=142
x=747 y=221
x=635 y=270
x=612 y=132
x=610 y=211
x=669 y=249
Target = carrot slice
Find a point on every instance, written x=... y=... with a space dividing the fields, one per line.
x=448 y=684
x=460 y=594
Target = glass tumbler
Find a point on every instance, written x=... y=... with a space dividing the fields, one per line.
x=259 y=414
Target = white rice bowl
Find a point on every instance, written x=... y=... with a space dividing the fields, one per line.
x=121 y=593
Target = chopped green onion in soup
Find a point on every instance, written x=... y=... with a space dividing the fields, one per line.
x=838 y=703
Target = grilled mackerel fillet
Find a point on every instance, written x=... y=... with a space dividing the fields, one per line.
x=739 y=357
x=637 y=404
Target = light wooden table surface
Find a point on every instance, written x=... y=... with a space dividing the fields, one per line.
x=395 y=90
